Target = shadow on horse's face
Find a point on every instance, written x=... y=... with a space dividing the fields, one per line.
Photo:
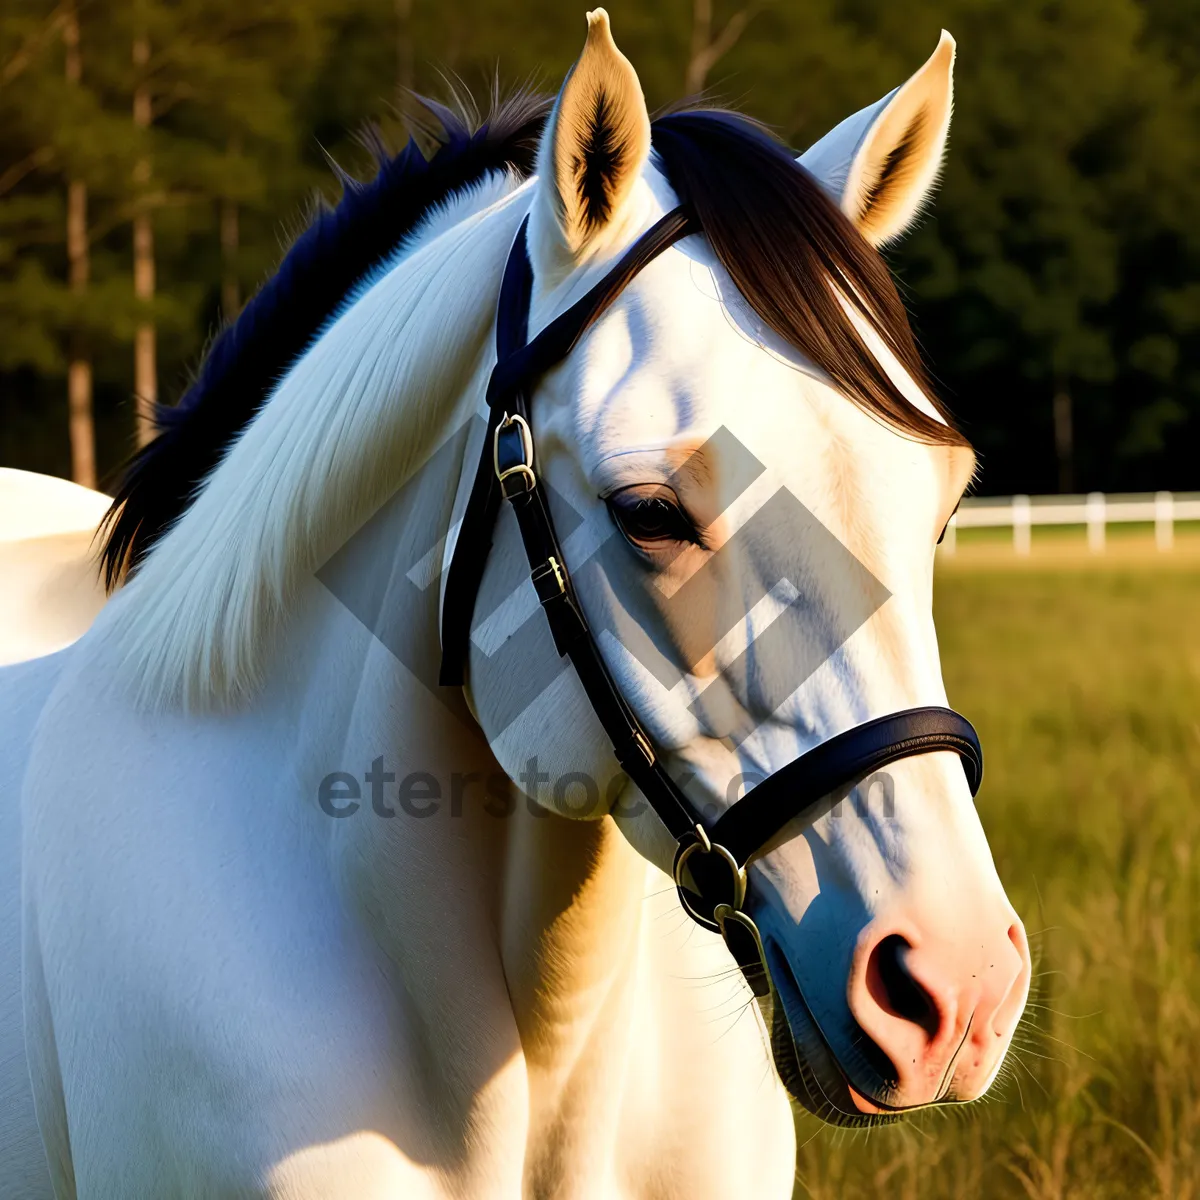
x=754 y=555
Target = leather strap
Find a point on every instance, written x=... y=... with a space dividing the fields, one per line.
x=573 y=639
x=520 y=364
x=747 y=826
x=518 y=368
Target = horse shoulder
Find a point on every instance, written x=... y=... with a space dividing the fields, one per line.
x=214 y=1016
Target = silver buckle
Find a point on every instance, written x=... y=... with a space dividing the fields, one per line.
x=548 y=580
x=522 y=470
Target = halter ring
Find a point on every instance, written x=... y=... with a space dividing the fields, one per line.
x=736 y=871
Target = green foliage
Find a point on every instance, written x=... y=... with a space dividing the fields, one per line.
x=1064 y=246
x=1061 y=254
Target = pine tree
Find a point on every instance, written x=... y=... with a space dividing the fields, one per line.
x=79 y=370
x=145 y=358
x=1053 y=280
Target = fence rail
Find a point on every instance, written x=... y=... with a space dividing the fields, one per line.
x=1096 y=511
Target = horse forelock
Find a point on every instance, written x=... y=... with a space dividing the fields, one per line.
x=800 y=263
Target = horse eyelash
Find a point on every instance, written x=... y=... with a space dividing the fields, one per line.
x=696 y=539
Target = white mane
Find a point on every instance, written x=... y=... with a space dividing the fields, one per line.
x=342 y=431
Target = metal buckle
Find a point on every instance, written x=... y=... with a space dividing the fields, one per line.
x=704 y=845
x=548 y=580
x=736 y=927
x=521 y=471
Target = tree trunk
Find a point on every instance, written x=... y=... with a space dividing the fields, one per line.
x=145 y=370
x=80 y=423
x=697 y=68
x=706 y=51
x=1064 y=439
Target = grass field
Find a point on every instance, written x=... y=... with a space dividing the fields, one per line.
x=1082 y=674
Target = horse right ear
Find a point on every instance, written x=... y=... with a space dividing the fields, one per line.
x=881 y=164
x=595 y=145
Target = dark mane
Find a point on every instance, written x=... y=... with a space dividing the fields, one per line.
x=783 y=240
x=339 y=248
x=771 y=225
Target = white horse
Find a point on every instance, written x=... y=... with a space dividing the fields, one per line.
x=284 y=927
x=51 y=592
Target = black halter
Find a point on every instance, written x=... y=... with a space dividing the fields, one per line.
x=709 y=863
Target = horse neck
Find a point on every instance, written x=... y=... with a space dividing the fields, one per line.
x=541 y=914
x=571 y=917
x=556 y=903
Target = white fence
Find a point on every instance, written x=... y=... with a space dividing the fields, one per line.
x=1096 y=511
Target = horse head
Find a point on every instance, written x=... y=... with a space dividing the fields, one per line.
x=750 y=474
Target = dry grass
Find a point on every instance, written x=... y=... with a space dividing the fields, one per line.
x=1085 y=687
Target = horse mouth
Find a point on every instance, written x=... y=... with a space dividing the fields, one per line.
x=807 y=1065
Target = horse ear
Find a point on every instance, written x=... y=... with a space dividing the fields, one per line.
x=881 y=164
x=596 y=141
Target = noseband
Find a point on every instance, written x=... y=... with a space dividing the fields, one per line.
x=710 y=862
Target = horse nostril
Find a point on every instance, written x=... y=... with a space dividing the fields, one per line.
x=895 y=990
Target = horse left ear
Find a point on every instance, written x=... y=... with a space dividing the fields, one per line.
x=881 y=164
x=596 y=141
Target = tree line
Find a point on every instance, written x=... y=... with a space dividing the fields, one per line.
x=155 y=156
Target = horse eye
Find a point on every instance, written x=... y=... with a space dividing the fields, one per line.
x=650 y=516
